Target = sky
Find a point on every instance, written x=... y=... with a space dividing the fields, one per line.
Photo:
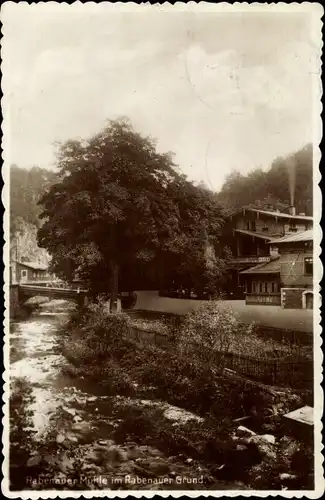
x=223 y=91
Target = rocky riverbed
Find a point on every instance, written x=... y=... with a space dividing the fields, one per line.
x=74 y=427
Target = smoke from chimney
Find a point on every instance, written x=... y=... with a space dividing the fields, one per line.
x=291 y=169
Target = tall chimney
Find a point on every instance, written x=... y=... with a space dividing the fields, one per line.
x=292 y=210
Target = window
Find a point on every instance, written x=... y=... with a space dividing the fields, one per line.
x=247 y=226
x=23 y=273
x=34 y=275
x=253 y=225
x=309 y=266
x=293 y=228
x=273 y=287
x=253 y=287
x=265 y=287
x=261 y=287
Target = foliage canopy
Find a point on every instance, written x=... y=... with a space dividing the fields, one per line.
x=119 y=208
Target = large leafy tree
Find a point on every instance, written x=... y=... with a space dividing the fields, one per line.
x=117 y=206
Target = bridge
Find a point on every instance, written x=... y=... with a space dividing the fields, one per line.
x=48 y=290
x=20 y=292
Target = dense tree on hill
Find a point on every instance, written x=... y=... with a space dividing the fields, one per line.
x=118 y=205
x=26 y=188
x=288 y=181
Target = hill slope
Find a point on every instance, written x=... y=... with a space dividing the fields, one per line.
x=288 y=181
x=26 y=188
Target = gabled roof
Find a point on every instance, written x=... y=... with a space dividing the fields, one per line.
x=272 y=267
x=282 y=214
x=33 y=265
x=294 y=238
x=272 y=214
x=262 y=236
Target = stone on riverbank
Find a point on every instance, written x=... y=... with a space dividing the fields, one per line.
x=244 y=432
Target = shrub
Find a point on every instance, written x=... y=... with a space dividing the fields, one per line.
x=138 y=424
x=156 y=325
x=213 y=329
x=115 y=378
x=210 y=328
x=21 y=432
x=94 y=335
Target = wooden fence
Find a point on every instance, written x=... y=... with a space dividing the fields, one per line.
x=287 y=335
x=149 y=336
x=294 y=372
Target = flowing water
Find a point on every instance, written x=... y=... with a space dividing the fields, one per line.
x=35 y=357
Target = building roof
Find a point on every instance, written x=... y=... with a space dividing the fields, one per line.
x=262 y=236
x=282 y=214
x=272 y=267
x=295 y=238
x=33 y=265
x=273 y=214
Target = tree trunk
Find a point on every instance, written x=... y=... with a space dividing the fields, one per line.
x=114 y=286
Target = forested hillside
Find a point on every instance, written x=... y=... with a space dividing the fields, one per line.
x=26 y=188
x=264 y=189
x=288 y=181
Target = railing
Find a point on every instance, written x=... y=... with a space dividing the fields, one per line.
x=251 y=259
x=50 y=287
x=264 y=298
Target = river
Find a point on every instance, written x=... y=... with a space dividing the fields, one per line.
x=74 y=422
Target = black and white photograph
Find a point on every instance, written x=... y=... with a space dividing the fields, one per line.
x=162 y=249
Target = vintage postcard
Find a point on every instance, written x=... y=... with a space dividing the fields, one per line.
x=162 y=249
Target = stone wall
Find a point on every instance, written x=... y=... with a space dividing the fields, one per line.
x=292 y=267
x=291 y=298
x=14 y=301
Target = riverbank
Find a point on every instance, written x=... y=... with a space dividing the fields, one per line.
x=98 y=349
x=108 y=414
